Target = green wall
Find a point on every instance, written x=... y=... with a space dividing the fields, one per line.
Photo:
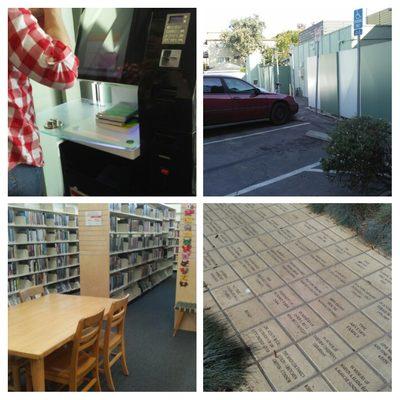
x=328 y=83
x=376 y=80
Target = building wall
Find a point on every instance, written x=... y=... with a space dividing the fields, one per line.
x=217 y=54
x=383 y=17
x=325 y=27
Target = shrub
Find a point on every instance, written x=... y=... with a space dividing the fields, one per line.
x=373 y=222
x=225 y=359
x=360 y=153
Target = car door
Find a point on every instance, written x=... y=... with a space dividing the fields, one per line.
x=247 y=101
x=217 y=104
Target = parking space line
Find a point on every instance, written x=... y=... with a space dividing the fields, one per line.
x=274 y=180
x=255 y=134
x=316 y=170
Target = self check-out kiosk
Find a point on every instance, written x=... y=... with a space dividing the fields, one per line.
x=161 y=65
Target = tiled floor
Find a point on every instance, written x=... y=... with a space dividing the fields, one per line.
x=310 y=299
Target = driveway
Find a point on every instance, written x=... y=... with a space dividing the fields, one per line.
x=260 y=159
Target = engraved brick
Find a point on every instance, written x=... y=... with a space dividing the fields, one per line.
x=265 y=339
x=287 y=369
x=325 y=348
x=357 y=330
x=232 y=294
x=301 y=322
x=248 y=314
x=264 y=281
x=281 y=300
x=332 y=307
x=353 y=375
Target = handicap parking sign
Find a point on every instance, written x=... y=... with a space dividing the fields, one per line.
x=358 y=15
x=358 y=21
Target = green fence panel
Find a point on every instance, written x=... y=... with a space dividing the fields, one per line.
x=376 y=80
x=284 y=78
x=328 y=83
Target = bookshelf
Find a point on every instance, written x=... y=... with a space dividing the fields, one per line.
x=43 y=248
x=125 y=248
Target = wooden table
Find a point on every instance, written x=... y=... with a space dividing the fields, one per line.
x=38 y=327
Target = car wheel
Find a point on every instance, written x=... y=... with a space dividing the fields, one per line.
x=279 y=113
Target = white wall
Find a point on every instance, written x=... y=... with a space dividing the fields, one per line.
x=312 y=81
x=348 y=83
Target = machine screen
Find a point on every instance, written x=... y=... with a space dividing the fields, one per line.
x=111 y=42
x=176 y=19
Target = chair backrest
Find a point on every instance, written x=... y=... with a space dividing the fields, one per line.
x=31 y=293
x=86 y=339
x=116 y=319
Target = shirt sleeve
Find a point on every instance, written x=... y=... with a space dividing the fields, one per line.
x=37 y=55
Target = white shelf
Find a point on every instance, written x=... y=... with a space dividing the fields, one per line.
x=49 y=284
x=61 y=280
x=50 y=242
x=70 y=290
x=141 y=278
x=138 y=233
x=151 y=287
x=113 y=271
x=113 y=253
x=44 y=270
x=70 y=217
x=12 y=225
x=43 y=256
x=134 y=216
x=21 y=208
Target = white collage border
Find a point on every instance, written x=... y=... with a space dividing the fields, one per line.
x=203 y=7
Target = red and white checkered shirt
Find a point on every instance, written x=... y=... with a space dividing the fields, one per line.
x=32 y=54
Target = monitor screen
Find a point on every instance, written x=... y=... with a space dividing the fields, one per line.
x=111 y=43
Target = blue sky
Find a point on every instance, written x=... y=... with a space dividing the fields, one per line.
x=280 y=16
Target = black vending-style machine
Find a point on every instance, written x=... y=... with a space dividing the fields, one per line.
x=166 y=96
x=167 y=103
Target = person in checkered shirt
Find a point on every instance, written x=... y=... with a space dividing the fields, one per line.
x=38 y=49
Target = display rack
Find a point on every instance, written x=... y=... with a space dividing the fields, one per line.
x=185 y=293
x=126 y=248
x=43 y=248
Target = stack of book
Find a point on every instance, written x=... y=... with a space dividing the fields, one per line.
x=120 y=117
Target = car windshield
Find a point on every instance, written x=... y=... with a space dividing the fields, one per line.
x=238 y=86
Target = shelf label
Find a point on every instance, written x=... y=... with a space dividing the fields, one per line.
x=93 y=218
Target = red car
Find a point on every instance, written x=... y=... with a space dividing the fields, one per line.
x=229 y=100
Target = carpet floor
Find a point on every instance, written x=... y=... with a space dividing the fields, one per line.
x=156 y=360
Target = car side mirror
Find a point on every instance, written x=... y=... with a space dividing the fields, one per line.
x=257 y=91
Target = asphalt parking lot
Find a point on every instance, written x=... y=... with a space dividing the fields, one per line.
x=261 y=159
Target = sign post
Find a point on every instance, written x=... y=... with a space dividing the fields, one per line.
x=358 y=30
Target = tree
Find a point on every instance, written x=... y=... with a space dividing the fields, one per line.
x=283 y=41
x=244 y=36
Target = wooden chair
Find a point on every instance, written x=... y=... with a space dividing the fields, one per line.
x=31 y=293
x=16 y=365
x=113 y=338
x=72 y=364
